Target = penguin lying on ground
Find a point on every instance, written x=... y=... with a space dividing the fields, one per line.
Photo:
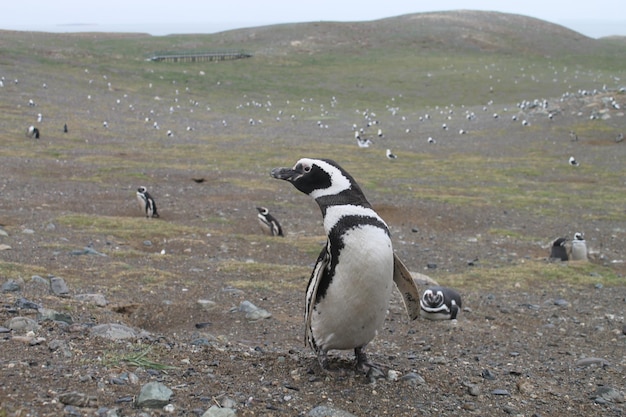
x=349 y=290
x=440 y=303
x=558 y=250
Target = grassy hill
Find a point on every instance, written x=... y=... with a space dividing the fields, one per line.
x=437 y=57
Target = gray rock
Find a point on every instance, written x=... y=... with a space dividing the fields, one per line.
x=96 y=299
x=154 y=395
x=11 y=286
x=561 y=302
x=78 y=399
x=253 y=312
x=87 y=250
x=413 y=379
x=107 y=412
x=59 y=287
x=60 y=346
x=325 y=411
x=216 y=411
x=4 y=247
x=207 y=304
x=22 y=324
x=3 y=232
x=25 y=304
x=39 y=280
x=604 y=394
x=28 y=231
x=113 y=331
x=592 y=361
x=422 y=279
x=44 y=314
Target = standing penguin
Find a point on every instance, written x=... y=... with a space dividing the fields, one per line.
x=268 y=223
x=349 y=290
x=558 y=250
x=146 y=202
x=579 y=247
x=440 y=303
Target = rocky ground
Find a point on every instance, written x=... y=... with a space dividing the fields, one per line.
x=92 y=316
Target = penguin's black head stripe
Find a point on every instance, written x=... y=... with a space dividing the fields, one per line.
x=306 y=178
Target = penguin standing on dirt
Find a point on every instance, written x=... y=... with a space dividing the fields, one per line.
x=146 y=202
x=579 y=248
x=349 y=290
x=558 y=249
x=268 y=223
x=440 y=303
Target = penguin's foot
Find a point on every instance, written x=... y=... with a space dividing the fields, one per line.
x=322 y=358
x=372 y=370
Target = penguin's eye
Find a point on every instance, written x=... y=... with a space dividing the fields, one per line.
x=307 y=168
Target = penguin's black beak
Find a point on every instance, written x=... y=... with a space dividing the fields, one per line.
x=287 y=174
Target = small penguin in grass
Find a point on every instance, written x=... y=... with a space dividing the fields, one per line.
x=268 y=223
x=146 y=202
x=558 y=249
x=390 y=155
x=440 y=303
x=349 y=290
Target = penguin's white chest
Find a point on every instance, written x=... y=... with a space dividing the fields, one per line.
x=579 y=250
x=141 y=199
x=356 y=301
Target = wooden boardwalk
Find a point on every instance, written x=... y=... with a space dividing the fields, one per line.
x=200 y=56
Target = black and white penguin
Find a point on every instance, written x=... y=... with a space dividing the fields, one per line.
x=440 y=303
x=268 y=223
x=390 y=155
x=579 y=248
x=33 y=132
x=146 y=202
x=558 y=250
x=349 y=290
x=573 y=161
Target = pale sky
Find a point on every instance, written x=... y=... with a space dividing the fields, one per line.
x=158 y=16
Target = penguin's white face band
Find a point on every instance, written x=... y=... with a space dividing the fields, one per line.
x=433 y=299
x=338 y=181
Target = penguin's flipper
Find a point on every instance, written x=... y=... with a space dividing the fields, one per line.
x=404 y=281
x=319 y=274
x=454 y=310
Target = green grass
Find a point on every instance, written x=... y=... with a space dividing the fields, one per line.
x=529 y=274
x=125 y=227
x=139 y=359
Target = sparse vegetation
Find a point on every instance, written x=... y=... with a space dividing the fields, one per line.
x=477 y=211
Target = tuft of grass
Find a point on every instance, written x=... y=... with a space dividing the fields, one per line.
x=124 y=227
x=141 y=360
x=264 y=276
x=14 y=270
x=535 y=274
